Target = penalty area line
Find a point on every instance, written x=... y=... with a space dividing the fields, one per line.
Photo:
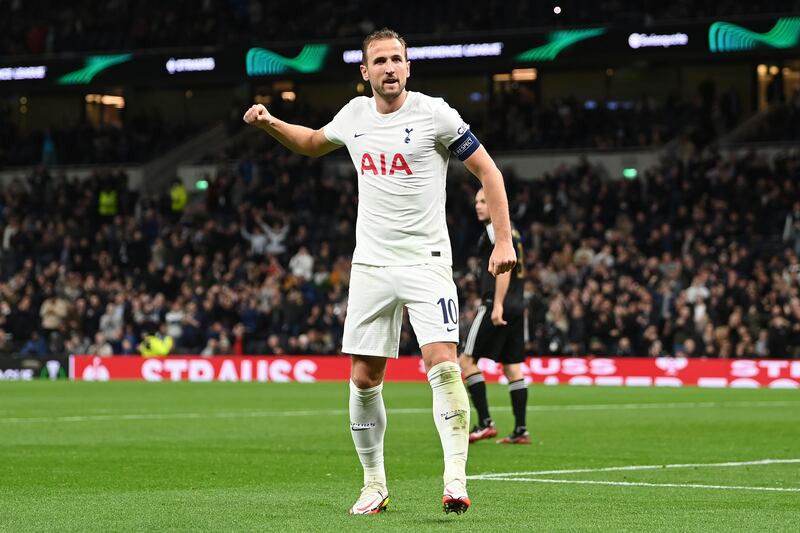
x=633 y=484
x=729 y=464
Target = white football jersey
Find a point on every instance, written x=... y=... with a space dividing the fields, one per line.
x=401 y=160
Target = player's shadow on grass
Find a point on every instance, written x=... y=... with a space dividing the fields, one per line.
x=440 y=520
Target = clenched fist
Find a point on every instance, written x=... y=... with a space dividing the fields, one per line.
x=503 y=258
x=257 y=116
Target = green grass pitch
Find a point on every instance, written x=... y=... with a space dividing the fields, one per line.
x=131 y=456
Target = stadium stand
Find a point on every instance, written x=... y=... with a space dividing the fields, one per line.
x=518 y=123
x=140 y=139
x=568 y=123
x=780 y=123
x=36 y=27
x=698 y=257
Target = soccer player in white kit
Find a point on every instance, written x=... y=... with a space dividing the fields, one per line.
x=400 y=143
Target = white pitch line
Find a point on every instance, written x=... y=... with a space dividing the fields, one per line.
x=174 y=416
x=635 y=484
x=343 y=412
x=663 y=405
x=638 y=467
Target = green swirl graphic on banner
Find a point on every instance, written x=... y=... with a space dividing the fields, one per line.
x=94 y=65
x=557 y=42
x=262 y=62
x=728 y=37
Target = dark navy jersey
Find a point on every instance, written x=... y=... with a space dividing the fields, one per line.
x=513 y=303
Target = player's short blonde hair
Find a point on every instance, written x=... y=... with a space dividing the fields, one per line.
x=377 y=35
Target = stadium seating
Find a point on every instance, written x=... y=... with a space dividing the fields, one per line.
x=54 y=27
x=135 y=141
x=697 y=255
x=657 y=265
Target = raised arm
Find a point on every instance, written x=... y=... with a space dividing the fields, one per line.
x=296 y=138
x=481 y=164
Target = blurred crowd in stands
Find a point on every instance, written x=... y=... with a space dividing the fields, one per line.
x=49 y=26
x=519 y=121
x=137 y=140
x=780 y=123
x=509 y=120
x=698 y=257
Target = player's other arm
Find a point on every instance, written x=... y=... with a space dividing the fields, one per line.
x=296 y=138
x=500 y=290
x=481 y=164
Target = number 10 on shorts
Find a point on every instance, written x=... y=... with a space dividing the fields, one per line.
x=449 y=311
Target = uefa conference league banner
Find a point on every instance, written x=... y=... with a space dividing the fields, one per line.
x=26 y=368
x=604 y=371
x=765 y=37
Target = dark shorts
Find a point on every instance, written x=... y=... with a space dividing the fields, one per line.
x=504 y=344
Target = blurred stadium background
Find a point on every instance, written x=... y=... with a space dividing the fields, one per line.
x=650 y=151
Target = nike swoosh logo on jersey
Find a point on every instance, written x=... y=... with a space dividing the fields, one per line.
x=451 y=329
x=357 y=135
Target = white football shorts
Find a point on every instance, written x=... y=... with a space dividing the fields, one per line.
x=375 y=307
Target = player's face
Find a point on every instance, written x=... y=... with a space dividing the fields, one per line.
x=386 y=68
x=481 y=208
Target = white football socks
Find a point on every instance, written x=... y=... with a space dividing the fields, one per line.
x=368 y=425
x=451 y=415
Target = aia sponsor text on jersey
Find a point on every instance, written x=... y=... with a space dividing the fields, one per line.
x=398 y=164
